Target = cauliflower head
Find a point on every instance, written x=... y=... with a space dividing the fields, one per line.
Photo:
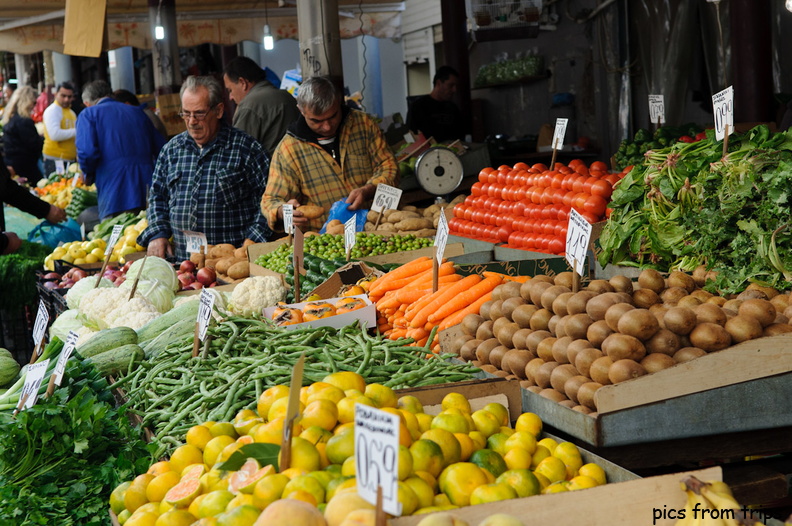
x=255 y=294
x=133 y=314
x=97 y=303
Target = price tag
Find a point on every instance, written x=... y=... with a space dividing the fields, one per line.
x=68 y=349
x=40 y=327
x=297 y=250
x=60 y=167
x=723 y=111
x=377 y=456
x=75 y=180
x=350 y=239
x=577 y=241
x=386 y=198
x=113 y=239
x=656 y=109
x=82 y=231
x=205 y=313
x=35 y=375
x=441 y=238
x=288 y=219
x=559 y=133
x=195 y=240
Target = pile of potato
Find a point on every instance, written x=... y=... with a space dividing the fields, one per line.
x=230 y=262
x=421 y=222
x=565 y=345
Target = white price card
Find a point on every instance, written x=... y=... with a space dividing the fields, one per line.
x=68 y=349
x=656 y=109
x=441 y=238
x=559 y=133
x=386 y=198
x=82 y=231
x=75 y=180
x=205 y=313
x=40 y=326
x=288 y=219
x=60 y=167
x=195 y=240
x=723 y=111
x=113 y=239
x=577 y=241
x=350 y=229
x=377 y=456
x=35 y=374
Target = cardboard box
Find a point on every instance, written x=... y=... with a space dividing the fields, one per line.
x=349 y=274
x=451 y=250
x=367 y=316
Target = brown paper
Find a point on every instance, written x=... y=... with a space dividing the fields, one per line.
x=83 y=17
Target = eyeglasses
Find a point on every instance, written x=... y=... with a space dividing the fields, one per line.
x=197 y=115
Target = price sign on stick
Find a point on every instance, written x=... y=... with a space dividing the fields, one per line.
x=35 y=375
x=113 y=239
x=288 y=219
x=82 y=231
x=577 y=241
x=559 y=133
x=441 y=237
x=205 y=313
x=723 y=111
x=40 y=327
x=656 y=109
x=75 y=180
x=292 y=412
x=377 y=456
x=386 y=198
x=195 y=240
x=350 y=239
x=68 y=349
x=60 y=167
x=297 y=261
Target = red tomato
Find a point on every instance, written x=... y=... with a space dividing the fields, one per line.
x=556 y=245
x=580 y=201
x=568 y=198
x=518 y=208
x=502 y=177
x=504 y=207
x=588 y=184
x=564 y=169
x=520 y=166
x=602 y=188
x=595 y=205
x=483 y=175
x=476 y=189
x=492 y=177
x=477 y=216
x=543 y=242
x=591 y=218
x=513 y=238
x=563 y=213
x=503 y=233
x=612 y=179
x=581 y=169
x=599 y=165
x=577 y=184
x=454 y=223
x=539 y=167
x=529 y=240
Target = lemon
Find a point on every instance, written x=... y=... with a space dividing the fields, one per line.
x=199 y=436
x=424 y=421
x=340 y=447
x=569 y=454
x=269 y=396
x=185 y=455
x=453 y=423
x=405 y=463
x=91 y=258
x=492 y=493
x=486 y=423
x=490 y=461
x=428 y=478
x=321 y=413
x=452 y=451
x=142 y=519
x=581 y=482
x=497 y=443
x=552 y=468
x=124 y=516
x=523 y=481
x=117 y=497
x=539 y=455
x=242 y=499
x=500 y=411
x=594 y=471
x=549 y=443
x=324 y=477
x=407 y=498
x=410 y=403
x=223 y=429
x=269 y=433
x=246 y=420
x=479 y=440
x=346 y=407
x=381 y=395
x=182 y=494
x=556 y=487
x=427 y=456
x=521 y=439
x=214 y=503
x=322 y=391
x=466 y=445
x=304 y=455
x=307 y=484
x=280 y=407
x=244 y=515
x=348 y=467
x=59 y=252
x=457 y=401
x=458 y=481
x=135 y=494
x=269 y=489
x=214 y=447
x=176 y=518
x=423 y=491
x=157 y=488
x=517 y=458
x=345 y=380
x=316 y=435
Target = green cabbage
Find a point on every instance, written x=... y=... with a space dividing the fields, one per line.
x=155 y=268
x=65 y=322
x=154 y=291
x=78 y=290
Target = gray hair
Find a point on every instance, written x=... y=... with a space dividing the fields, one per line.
x=211 y=84
x=317 y=95
x=95 y=90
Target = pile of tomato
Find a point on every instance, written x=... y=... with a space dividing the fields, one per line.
x=527 y=207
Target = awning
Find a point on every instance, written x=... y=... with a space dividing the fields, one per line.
x=198 y=22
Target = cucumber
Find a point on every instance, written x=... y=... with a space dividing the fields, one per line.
x=187 y=310
x=106 y=340
x=178 y=331
x=116 y=360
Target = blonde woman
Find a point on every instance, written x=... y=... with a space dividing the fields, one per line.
x=21 y=141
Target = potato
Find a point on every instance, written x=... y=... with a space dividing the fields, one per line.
x=402 y=215
x=458 y=199
x=335 y=227
x=369 y=226
x=410 y=208
x=241 y=253
x=311 y=211
x=413 y=224
x=372 y=216
x=239 y=270
x=222 y=250
x=386 y=227
x=424 y=232
x=432 y=210
x=225 y=263
x=211 y=262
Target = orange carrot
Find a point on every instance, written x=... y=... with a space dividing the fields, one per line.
x=518 y=279
x=465 y=298
x=406 y=295
x=448 y=296
x=408 y=269
x=457 y=317
x=416 y=280
x=421 y=342
x=383 y=328
x=418 y=305
x=417 y=334
x=397 y=333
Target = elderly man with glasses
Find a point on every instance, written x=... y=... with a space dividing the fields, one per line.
x=208 y=179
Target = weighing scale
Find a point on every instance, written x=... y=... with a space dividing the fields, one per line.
x=439 y=171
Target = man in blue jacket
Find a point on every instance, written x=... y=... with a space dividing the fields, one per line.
x=117 y=147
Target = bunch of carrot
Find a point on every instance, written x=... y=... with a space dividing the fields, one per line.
x=409 y=309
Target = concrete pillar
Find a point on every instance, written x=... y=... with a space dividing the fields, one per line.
x=370 y=60
x=49 y=69
x=167 y=74
x=320 y=39
x=62 y=65
x=752 y=60
x=252 y=50
x=121 y=63
x=21 y=65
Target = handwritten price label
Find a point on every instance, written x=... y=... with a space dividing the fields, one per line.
x=195 y=240
x=657 y=109
x=288 y=219
x=377 y=456
x=577 y=241
x=441 y=238
x=35 y=375
x=68 y=349
x=60 y=167
x=350 y=239
x=205 y=313
x=75 y=180
x=386 y=198
x=40 y=327
x=723 y=111
x=559 y=133
x=113 y=239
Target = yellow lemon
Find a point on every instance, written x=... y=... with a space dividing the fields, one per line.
x=158 y=468
x=486 y=423
x=142 y=519
x=458 y=481
x=345 y=380
x=117 y=497
x=452 y=450
x=332 y=487
x=185 y=455
x=423 y=491
x=492 y=493
x=157 y=488
x=478 y=438
x=427 y=456
x=517 y=458
x=553 y=469
x=411 y=421
x=91 y=258
x=424 y=421
x=457 y=401
x=497 y=443
x=556 y=487
x=243 y=515
x=199 y=436
x=549 y=443
x=324 y=477
x=176 y=518
x=539 y=455
x=507 y=431
x=569 y=454
x=490 y=461
x=269 y=489
x=323 y=391
x=279 y=408
x=214 y=503
x=340 y=447
x=269 y=433
x=523 y=481
x=407 y=498
x=215 y=479
x=321 y=413
x=346 y=407
x=441 y=501
x=382 y=395
x=522 y=439
x=182 y=494
x=304 y=455
x=428 y=478
x=453 y=423
x=405 y=463
x=594 y=471
x=214 y=447
x=543 y=481
x=307 y=484
x=246 y=420
x=498 y=410
x=581 y=482
x=348 y=467
x=165 y=507
x=135 y=494
x=269 y=396
x=316 y=435
x=410 y=403
x=123 y=517
x=342 y=504
x=340 y=429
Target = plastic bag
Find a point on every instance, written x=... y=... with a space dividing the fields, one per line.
x=52 y=234
x=340 y=211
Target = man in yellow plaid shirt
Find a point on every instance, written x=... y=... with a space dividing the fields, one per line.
x=329 y=153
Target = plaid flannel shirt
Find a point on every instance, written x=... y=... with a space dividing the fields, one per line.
x=214 y=190
x=304 y=171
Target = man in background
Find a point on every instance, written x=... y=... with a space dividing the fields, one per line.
x=263 y=111
x=59 y=129
x=436 y=115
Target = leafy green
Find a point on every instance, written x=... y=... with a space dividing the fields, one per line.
x=18 y=274
x=60 y=459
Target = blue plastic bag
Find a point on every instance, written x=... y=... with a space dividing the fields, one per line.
x=52 y=234
x=340 y=211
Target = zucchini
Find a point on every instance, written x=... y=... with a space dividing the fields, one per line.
x=106 y=340
x=116 y=360
x=9 y=369
x=178 y=331
x=187 y=310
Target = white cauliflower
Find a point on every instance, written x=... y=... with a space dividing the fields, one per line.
x=133 y=314
x=84 y=334
x=255 y=294
x=97 y=303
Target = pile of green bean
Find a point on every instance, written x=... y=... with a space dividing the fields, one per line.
x=242 y=357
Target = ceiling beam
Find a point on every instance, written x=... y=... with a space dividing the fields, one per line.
x=32 y=20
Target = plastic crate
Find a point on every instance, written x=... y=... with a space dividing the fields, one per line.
x=16 y=333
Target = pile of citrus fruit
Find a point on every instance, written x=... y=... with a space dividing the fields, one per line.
x=457 y=458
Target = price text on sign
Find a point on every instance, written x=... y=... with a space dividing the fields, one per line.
x=68 y=349
x=288 y=219
x=377 y=456
x=40 y=327
x=113 y=239
x=35 y=375
x=656 y=109
x=195 y=240
x=350 y=239
x=559 y=133
x=723 y=112
x=386 y=198
x=441 y=237
x=577 y=241
x=205 y=313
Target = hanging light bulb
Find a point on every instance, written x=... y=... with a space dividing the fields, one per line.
x=788 y=5
x=159 y=30
x=269 y=41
